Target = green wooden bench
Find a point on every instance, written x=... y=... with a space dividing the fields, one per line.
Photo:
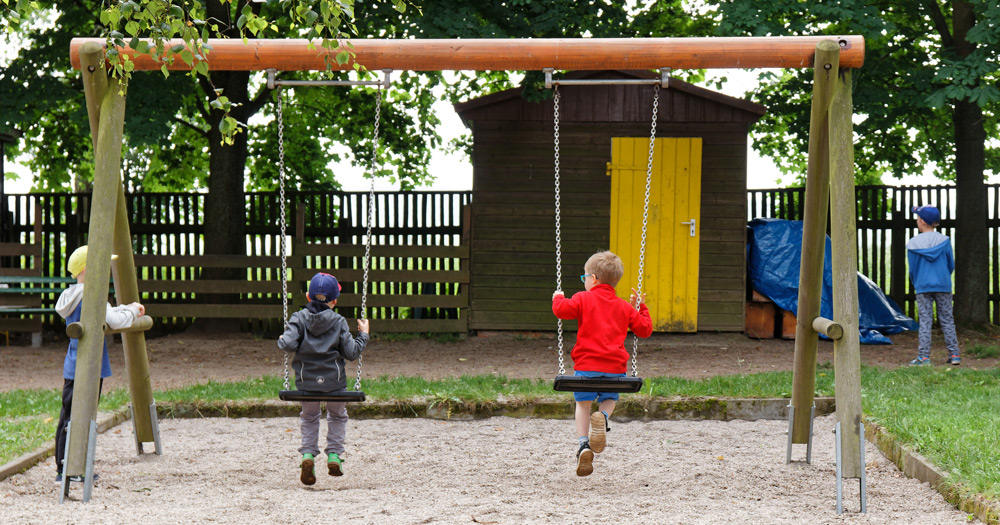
x=21 y=307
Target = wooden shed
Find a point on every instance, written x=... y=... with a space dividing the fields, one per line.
x=694 y=264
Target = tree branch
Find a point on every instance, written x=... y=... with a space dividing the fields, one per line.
x=196 y=129
x=258 y=102
x=940 y=22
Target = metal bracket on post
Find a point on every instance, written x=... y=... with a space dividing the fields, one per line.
x=154 y=422
x=809 y=444
x=840 y=469
x=663 y=81
x=64 y=485
x=156 y=428
x=273 y=82
x=135 y=430
x=88 y=474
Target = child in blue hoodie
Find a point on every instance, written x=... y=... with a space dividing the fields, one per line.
x=322 y=342
x=931 y=265
x=70 y=306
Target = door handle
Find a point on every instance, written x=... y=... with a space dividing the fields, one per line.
x=692 y=224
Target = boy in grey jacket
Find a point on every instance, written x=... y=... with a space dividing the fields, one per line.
x=322 y=344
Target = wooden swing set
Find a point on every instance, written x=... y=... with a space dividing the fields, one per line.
x=830 y=182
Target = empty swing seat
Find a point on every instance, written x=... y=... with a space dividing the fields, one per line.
x=623 y=385
x=340 y=395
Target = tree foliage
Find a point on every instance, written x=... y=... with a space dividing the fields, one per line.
x=926 y=98
x=903 y=95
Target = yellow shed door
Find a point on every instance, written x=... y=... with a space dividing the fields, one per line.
x=670 y=271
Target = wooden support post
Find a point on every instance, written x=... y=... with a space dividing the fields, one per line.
x=107 y=171
x=843 y=234
x=126 y=286
x=75 y=330
x=133 y=342
x=813 y=238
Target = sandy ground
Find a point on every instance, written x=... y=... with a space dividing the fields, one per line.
x=497 y=471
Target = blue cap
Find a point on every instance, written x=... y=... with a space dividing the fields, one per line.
x=326 y=285
x=929 y=214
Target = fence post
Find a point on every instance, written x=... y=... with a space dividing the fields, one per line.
x=897 y=256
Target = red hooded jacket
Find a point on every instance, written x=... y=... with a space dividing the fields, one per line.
x=604 y=321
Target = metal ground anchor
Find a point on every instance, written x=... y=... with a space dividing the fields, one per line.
x=809 y=444
x=840 y=479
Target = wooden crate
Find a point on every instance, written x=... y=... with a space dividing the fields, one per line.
x=760 y=320
x=787 y=325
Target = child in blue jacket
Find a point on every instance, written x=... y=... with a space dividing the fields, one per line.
x=931 y=265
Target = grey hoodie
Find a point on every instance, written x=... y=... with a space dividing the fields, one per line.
x=322 y=342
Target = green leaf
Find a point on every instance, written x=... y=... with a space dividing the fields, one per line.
x=343 y=57
x=311 y=17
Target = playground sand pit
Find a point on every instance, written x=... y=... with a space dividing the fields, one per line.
x=493 y=471
x=499 y=470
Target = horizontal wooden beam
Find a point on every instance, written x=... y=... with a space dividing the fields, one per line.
x=513 y=54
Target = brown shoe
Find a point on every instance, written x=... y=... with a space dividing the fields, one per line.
x=308 y=476
x=584 y=460
x=334 y=464
x=598 y=425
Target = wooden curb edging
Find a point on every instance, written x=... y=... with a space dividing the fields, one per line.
x=915 y=466
x=635 y=409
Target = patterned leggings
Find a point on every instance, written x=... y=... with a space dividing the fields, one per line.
x=946 y=318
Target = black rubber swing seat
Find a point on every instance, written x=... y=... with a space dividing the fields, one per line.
x=340 y=395
x=623 y=385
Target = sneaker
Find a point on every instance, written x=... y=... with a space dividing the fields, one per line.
x=954 y=360
x=584 y=460
x=598 y=427
x=75 y=479
x=921 y=361
x=334 y=464
x=308 y=476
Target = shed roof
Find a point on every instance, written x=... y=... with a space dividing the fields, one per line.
x=510 y=105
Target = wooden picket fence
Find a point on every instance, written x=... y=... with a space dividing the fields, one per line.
x=419 y=264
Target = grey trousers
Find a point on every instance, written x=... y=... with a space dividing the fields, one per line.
x=946 y=318
x=336 y=427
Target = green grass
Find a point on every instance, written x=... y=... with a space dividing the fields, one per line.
x=947 y=414
x=981 y=351
x=950 y=416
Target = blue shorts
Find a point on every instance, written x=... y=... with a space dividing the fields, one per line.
x=595 y=396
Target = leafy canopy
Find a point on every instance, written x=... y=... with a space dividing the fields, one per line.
x=902 y=96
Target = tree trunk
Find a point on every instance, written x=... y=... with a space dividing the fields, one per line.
x=972 y=307
x=225 y=209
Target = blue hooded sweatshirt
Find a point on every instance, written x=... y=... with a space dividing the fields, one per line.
x=931 y=262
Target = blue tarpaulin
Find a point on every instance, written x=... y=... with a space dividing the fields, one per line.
x=774 y=254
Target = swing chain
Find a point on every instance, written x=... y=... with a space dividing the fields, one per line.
x=645 y=214
x=281 y=203
x=371 y=210
x=555 y=109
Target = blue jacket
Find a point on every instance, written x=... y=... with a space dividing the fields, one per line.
x=931 y=262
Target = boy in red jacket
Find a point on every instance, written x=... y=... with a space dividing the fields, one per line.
x=603 y=321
